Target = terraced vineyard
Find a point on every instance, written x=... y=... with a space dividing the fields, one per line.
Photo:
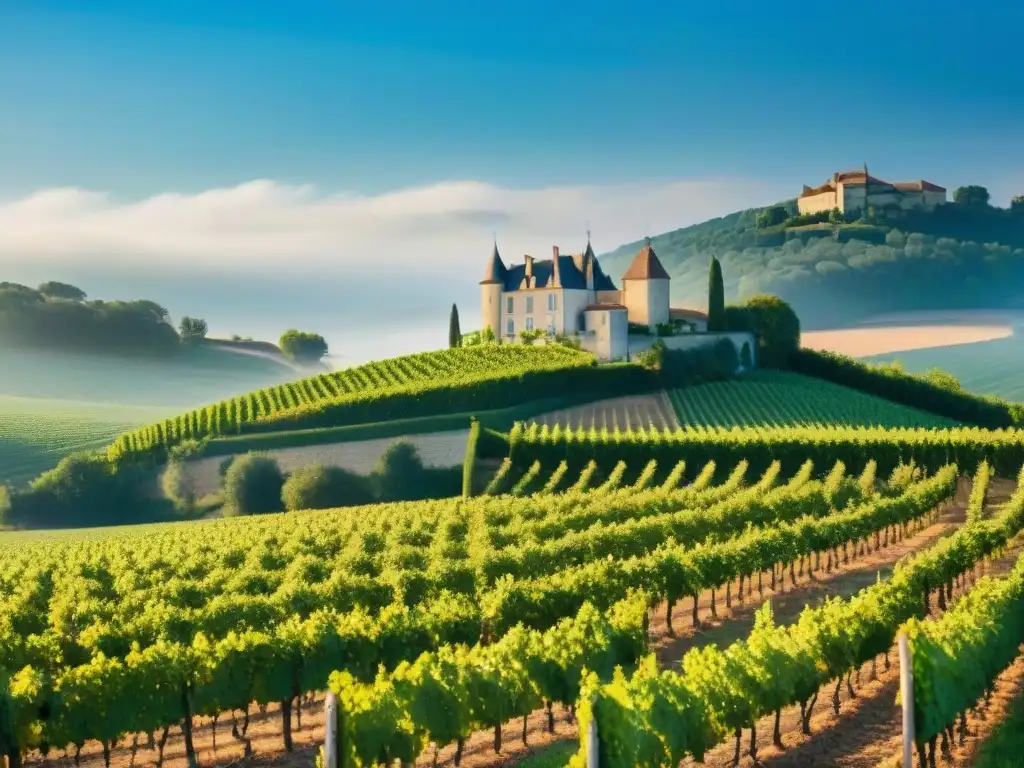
x=106 y=639
x=775 y=398
x=430 y=383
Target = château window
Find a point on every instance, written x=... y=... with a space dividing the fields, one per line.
x=529 y=321
x=510 y=306
x=552 y=302
x=551 y=323
x=510 y=327
x=529 y=304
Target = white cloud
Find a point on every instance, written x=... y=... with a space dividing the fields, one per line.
x=264 y=226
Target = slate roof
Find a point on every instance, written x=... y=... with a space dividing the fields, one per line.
x=602 y=307
x=495 y=269
x=646 y=266
x=572 y=273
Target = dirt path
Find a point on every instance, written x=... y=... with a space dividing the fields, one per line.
x=731 y=624
x=867 y=730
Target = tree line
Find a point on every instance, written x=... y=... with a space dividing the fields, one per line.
x=60 y=316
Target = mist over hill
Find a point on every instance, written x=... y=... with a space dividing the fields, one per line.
x=955 y=257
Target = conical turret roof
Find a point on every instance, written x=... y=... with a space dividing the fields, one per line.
x=495 y=269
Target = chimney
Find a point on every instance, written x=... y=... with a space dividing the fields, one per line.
x=529 y=266
x=556 y=277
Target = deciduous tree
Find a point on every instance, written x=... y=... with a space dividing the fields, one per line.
x=192 y=328
x=55 y=290
x=303 y=346
x=972 y=196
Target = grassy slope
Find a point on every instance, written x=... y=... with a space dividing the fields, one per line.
x=987 y=367
x=832 y=282
x=778 y=398
x=54 y=404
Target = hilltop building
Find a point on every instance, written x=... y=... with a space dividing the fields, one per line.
x=851 y=191
x=571 y=294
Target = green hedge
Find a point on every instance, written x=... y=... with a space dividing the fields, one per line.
x=904 y=388
x=855 y=446
x=469 y=463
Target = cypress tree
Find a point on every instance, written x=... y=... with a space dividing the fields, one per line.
x=716 y=297
x=454 y=334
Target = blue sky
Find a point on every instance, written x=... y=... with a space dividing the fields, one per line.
x=343 y=166
x=138 y=98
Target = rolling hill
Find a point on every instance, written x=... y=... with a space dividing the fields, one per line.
x=56 y=403
x=832 y=278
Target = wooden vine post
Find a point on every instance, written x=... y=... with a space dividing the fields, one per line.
x=907 y=697
x=592 y=761
x=331 y=731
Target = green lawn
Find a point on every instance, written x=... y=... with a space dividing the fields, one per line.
x=773 y=398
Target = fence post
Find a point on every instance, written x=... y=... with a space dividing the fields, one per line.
x=331 y=731
x=907 y=697
x=592 y=761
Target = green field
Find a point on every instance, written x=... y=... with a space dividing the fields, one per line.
x=985 y=367
x=53 y=404
x=772 y=398
x=36 y=433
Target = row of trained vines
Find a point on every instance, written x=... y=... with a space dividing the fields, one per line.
x=760 y=446
x=957 y=657
x=657 y=718
x=455 y=380
x=135 y=633
x=392 y=717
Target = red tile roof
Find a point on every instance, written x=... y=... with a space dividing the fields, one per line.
x=919 y=186
x=646 y=266
x=859 y=178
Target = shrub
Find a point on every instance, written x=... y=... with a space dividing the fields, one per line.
x=398 y=475
x=653 y=357
x=638 y=329
x=708 y=362
x=83 y=490
x=324 y=487
x=253 y=484
x=178 y=486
